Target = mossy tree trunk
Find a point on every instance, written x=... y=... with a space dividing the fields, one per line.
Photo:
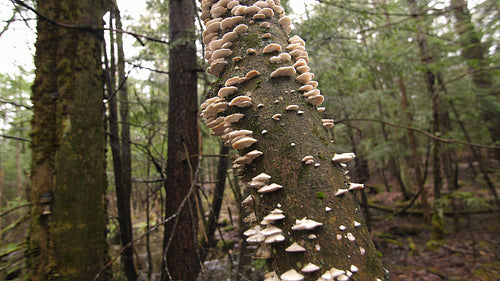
x=180 y=256
x=342 y=241
x=67 y=235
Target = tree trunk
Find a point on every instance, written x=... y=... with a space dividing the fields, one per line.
x=220 y=185
x=180 y=256
x=285 y=137
x=67 y=235
x=474 y=52
x=126 y=162
x=431 y=80
x=414 y=153
x=121 y=185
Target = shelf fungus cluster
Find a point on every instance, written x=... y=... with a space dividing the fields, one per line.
x=236 y=95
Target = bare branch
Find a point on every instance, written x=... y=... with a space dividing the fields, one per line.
x=434 y=137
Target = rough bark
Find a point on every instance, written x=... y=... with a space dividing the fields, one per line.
x=307 y=189
x=180 y=257
x=68 y=144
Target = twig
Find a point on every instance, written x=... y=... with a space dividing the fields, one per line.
x=14 y=138
x=13 y=209
x=434 y=137
x=89 y=28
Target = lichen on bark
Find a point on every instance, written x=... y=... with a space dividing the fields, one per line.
x=284 y=137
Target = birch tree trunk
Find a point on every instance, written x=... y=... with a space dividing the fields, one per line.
x=67 y=234
x=268 y=119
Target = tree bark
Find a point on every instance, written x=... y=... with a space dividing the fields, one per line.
x=213 y=217
x=285 y=139
x=180 y=256
x=121 y=172
x=125 y=155
x=67 y=234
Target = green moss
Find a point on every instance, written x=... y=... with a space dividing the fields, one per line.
x=252 y=40
x=320 y=195
x=259 y=264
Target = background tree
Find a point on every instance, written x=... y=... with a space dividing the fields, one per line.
x=67 y=235
x=180 y=258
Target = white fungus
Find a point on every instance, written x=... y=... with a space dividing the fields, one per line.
x=305 y=224
x=292 y=275
x=310 y=267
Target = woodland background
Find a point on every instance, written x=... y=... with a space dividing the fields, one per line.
x=372 y=59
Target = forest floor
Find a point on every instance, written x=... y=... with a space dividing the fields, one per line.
x=470 y=253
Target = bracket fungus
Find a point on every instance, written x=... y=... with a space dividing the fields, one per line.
x=291 y=275
x=275 y=238
x=263 y=177
x=295 y=248
x=244 y=143
x=230 y=22
x=265 y=25
x=276 y=117
x=284 y=71
x=343 y=157
x=252 y=231
x=292 y=107
x=341 y=191
x=316 y=100
x=273 y=47
x=224 y=92
x=241 y=101
x=234 y=81
x=251 y=74
x=271 y=218
x=327 y=123
x=354 y=186
x=304 y=77
x=271 y=230
x=305 y=224
x=269 y=188
x=310 y=267
x=308 y=160
x=285 y=23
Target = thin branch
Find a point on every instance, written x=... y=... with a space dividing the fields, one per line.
x=434 y=137
x=15 y=104
x=147 y=68
x=14 y=138
x=89 y=28
x=9 y=21
x=13 y=209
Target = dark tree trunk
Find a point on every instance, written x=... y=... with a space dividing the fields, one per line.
x=180 y=256
x=308 y=190
x=120 y=169
x=217 y=197
x=67 y=236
